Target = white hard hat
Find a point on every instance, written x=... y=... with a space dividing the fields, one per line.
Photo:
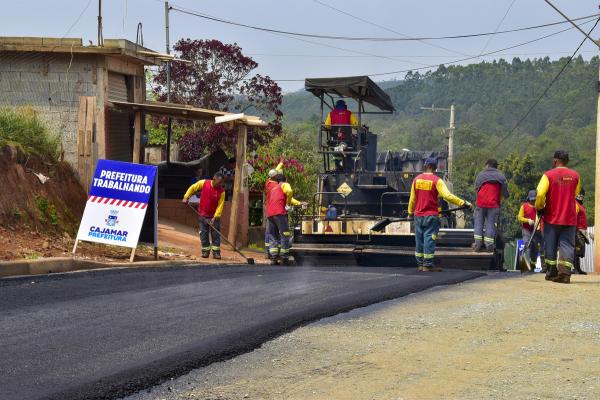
x=273 y=173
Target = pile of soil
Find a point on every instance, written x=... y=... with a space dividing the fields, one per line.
x=41 y=219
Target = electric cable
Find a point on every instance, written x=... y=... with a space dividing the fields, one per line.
x=489 y=40
x=385 y=27
x=459 y=60
x=537 y=101
x=376 y=39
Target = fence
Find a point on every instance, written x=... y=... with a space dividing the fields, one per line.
x=587 y=263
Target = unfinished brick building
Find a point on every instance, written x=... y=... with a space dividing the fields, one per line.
x=72 y=86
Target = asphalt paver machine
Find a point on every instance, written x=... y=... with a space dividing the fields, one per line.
x=359 y=212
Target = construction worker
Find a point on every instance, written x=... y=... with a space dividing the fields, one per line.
x=279 y=196
x=581 y=237
x=491 y=187
x=342 y=117
x=269 y=234
x=423 y=204
x=210 y=208
x=528 y=217
x=556 y=193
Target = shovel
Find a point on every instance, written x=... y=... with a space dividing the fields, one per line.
x=524 y=262
x=249 y=260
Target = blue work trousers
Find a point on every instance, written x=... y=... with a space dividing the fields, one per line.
x=560 y=245
x=426 y=231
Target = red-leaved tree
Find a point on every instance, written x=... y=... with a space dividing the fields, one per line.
x=218 y=78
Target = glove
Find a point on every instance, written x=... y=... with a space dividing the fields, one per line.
x=531 y=222
x=540 y=213
x=410 y=217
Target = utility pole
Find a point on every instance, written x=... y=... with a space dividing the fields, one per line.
x=100 y=36
x=170 y=122
x=450 y=130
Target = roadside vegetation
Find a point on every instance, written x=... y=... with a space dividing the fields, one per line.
x=22 y=128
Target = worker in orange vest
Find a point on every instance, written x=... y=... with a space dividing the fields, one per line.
x=582 y=237
x=279 y=196
x=212 y=201
x=425 y=191
x=527 y=217
x=556 y=193
x=270 y=239
x=343 y=118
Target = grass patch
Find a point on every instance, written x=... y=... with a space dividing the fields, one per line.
x=23 y=126
x=47 y=209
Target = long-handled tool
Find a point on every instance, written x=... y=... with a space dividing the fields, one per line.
x=524 y=262
x=249 y=260
x=380 y=226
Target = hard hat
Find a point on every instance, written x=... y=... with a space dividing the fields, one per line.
x=531 y=195
x=273 y=173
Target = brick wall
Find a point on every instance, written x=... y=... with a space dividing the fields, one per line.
x=52 y=84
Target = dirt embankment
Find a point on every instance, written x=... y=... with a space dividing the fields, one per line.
x=36 y=219
x=40 y=219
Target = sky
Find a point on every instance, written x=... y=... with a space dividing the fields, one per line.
x=286 y=58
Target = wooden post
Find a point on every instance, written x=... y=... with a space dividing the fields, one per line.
x=597 y=191
x=137 y=137
x=235 y=222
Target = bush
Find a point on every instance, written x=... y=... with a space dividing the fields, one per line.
x=23 y=126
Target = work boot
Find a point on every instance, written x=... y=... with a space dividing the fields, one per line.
x=274 y=261
x=217 y=255
x=490 y=248
x=286 y=261
x=477 y=246
x=564 y=275
x=205 y=253
x=421 y=268
x=551 y=272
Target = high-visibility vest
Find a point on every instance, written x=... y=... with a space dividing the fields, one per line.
x=426 y=195
x=209 y=199
x=581 y=218
x=276 y=199
x=561 y=208
x=529 y=212
x=340 y=117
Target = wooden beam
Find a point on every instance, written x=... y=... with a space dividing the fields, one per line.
x=137 y=137
x=237 y=224
x=89 y=133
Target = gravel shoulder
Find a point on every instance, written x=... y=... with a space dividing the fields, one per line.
x=494 y=338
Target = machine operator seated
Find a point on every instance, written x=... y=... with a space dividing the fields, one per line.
x=340 y=122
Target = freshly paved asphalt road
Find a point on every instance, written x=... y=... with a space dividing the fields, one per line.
x=106 y=334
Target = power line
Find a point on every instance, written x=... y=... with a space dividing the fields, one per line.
x=456 y=61
x=405 y=55
x=537 y=101
x=77 y=19
x=385 y=27
x=487 y=43
x=375 y=39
